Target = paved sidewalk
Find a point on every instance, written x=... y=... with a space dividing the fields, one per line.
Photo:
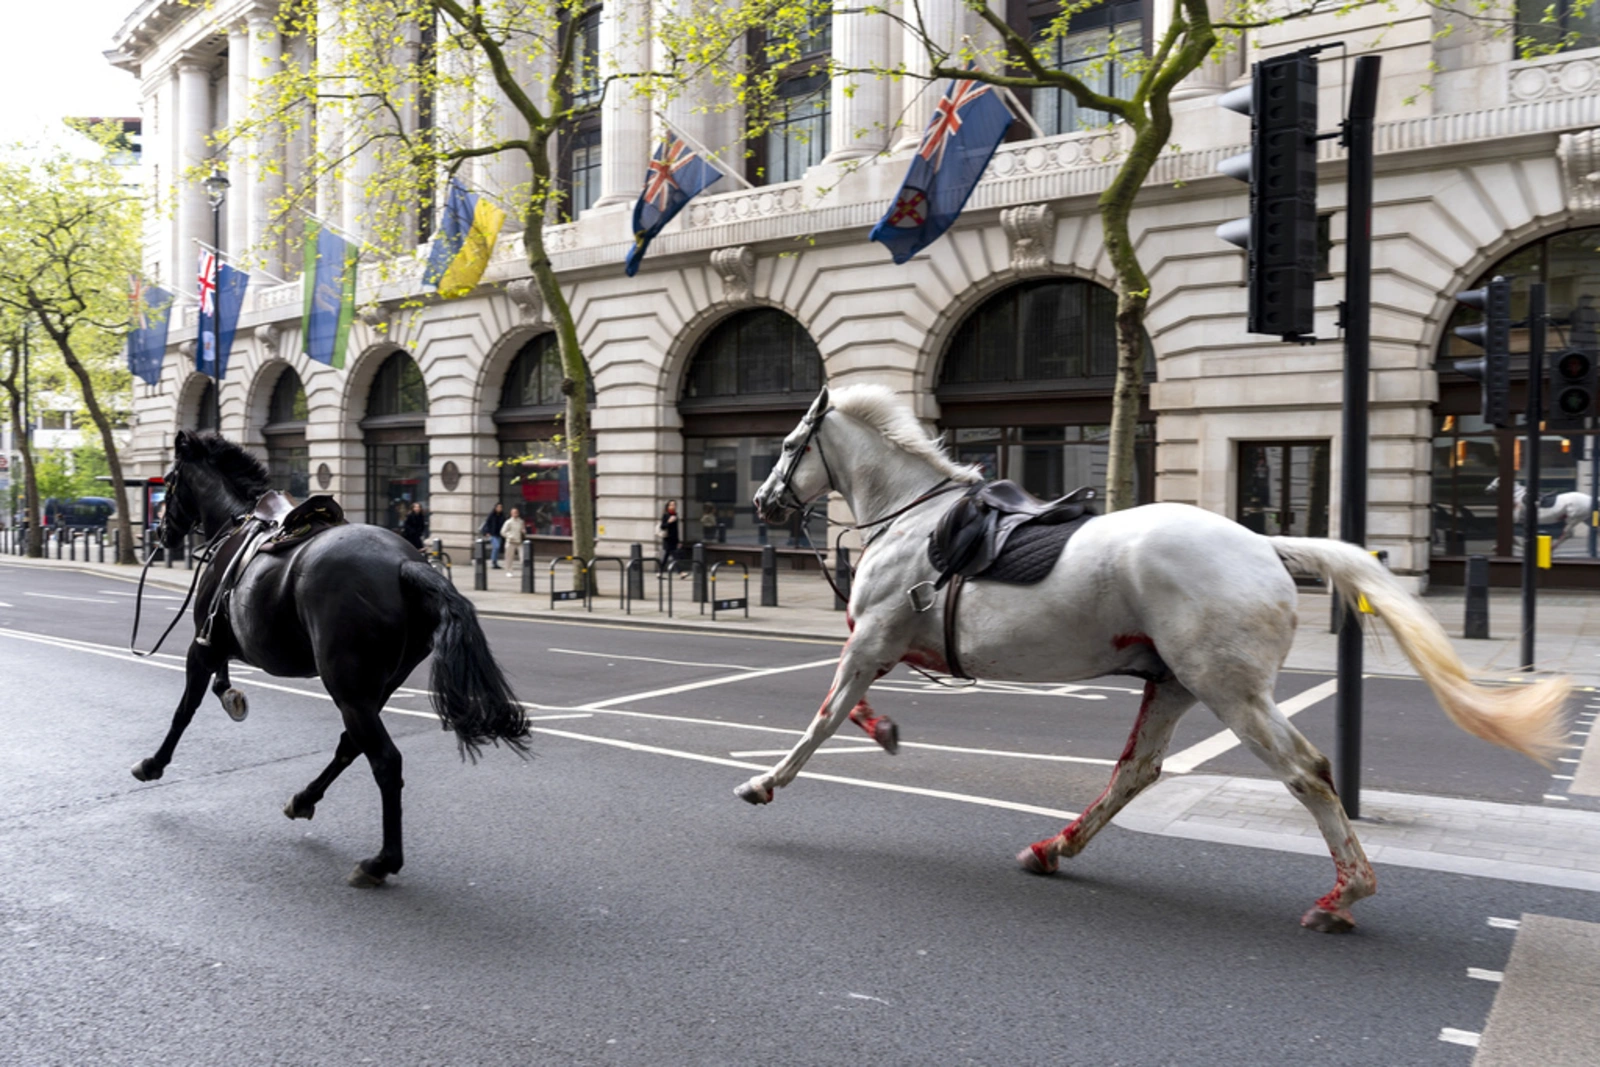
x=1541 y=844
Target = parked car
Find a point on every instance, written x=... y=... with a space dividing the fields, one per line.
x=86 y=512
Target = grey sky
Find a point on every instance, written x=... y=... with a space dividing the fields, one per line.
x=52 y=66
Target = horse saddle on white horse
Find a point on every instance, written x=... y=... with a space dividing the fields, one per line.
x=1002 y=533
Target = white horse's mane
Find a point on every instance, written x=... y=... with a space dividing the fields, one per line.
x=879 y=407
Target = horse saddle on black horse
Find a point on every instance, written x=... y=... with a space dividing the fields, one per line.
x=1000 y=532
x=296 y=523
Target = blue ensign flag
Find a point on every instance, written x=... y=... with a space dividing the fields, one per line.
x=967 y=127
x=231 y=284
x=221 y=299
x=147 y=341
x=675 y=176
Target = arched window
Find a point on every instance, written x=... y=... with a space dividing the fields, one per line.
x=1025 y=388
x=528 y=423
x=288 y=458
x=748 y=383
x=395 y=434
x=205 y=412
x=1469 y=455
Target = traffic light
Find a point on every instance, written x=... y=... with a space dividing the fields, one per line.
x=1572 y=389
x=1280 y=234
x=1492 y=370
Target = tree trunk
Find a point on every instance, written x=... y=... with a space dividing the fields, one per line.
x=30 y=483
x=575 y=374
x=63 y=342
x=1133 y=296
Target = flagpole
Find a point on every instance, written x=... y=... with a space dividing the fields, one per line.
x=1021 y=112
x=340 y=230
x=722 y=168
x=228 y=257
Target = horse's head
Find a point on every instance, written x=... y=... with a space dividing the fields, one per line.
x=180 y=507
x=211 y=481
x=801 y=473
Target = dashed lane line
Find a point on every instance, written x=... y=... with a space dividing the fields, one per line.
x=80 y=599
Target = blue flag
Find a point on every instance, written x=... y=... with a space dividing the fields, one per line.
x=967 y=127
x=675 y=177
x=330 y=295
x=147 y=341
x=221 y=299
x=231 y=284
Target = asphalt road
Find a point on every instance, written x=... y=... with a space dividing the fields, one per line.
x=610 y=901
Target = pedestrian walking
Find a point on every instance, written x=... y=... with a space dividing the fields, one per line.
x=491 y=530
x=513 y=531
x=669 y=533
x=415 y=528
x=708 y=523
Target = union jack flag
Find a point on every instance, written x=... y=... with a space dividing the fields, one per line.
x=136 y=296
x=208 y=282
x=675 y=176
x=947 y=120
x=659 y=181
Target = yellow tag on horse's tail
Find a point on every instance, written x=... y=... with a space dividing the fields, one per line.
x=1362 y=605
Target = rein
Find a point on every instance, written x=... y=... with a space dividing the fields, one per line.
x=204 y=556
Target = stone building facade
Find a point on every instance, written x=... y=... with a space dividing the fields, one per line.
x=997 y=334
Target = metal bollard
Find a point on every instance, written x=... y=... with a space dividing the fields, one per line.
x=635 y=571
x=116 y=544
x=841 y=579
x=699 y=579
x=480 y=564
x=527 y=566
x=1477 y=615
x=769 y=576
x=58 y=542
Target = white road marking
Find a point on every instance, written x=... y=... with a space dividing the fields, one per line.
x=826 y=750
x=1217 y=744
x=1505 y=924
x=1470 y=1038
x=1556 y=797
x=147 y=596
x=1562 y=777
x=82 y=599
x=652 y=659
x=708 y=683
x=3 y=604
x=1486 y=976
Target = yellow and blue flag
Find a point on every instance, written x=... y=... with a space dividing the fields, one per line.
x=967 y=127
x=330 y=294
x=676 y=176
x=467 y=232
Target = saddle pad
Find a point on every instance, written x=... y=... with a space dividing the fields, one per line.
x=1031 y=552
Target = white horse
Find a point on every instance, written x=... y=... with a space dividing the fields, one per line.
x=1570 y=510
x=1197 y=605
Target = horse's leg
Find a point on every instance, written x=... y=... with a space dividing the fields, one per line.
x=199 y=667
x=1308 y=774
x=233 y=701
x=366 y=732
x=861 y=664
x=880 y=728
x=303 y=805
x=1139 y=765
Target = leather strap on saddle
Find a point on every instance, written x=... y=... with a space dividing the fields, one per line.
x=303 y=521
x=952 y=654
x=972 y=533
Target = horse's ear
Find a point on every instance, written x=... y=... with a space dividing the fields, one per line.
x=183 y=446
x=819 y=406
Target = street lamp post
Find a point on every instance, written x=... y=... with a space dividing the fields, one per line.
x=216 y=187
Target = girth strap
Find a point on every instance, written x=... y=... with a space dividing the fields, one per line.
x=952 y=655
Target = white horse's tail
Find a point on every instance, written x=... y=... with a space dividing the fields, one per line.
x=1523 y=718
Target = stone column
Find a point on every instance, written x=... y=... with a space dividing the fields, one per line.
x=625 y=118
x=269 y=163
x=942 y=19
x=191 y=127
x=858 y=105
x=235 y=210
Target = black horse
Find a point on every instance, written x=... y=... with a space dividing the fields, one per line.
x=354 y=604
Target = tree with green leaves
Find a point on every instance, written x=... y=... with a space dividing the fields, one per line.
x=70 y=228
x=15 y=344
x=402 y=96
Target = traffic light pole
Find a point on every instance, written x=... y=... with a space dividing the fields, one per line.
x=1357 y=323
x=1530 y=497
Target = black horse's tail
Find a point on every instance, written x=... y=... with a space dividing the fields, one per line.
x=470 y=694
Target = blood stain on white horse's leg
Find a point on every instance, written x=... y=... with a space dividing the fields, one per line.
x=880 y=728
x=1140 y=764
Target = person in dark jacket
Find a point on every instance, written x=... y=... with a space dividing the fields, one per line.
x=415 y=527
x=669 y=533
x=491 y=529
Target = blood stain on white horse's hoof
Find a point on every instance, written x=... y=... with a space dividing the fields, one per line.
x=234 y=703
x=1337 y=921
x=751 y=794
x=1035 y=860
x=887 y=734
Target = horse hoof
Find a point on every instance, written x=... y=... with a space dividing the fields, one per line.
x=295 y=810
x=1337 y=921
x=751 y=793
x=361 y=878
x=146 y=770
x=234 y=703
x=1035 y=860
x=887 y=734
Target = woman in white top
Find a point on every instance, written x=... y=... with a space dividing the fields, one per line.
x=513 y=530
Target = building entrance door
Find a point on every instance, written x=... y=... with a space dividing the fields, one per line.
x=1283 y=487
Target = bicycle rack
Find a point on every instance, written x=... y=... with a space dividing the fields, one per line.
x=622 y=577
x=569 y=594
x=732 y=603
x=665 y=579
